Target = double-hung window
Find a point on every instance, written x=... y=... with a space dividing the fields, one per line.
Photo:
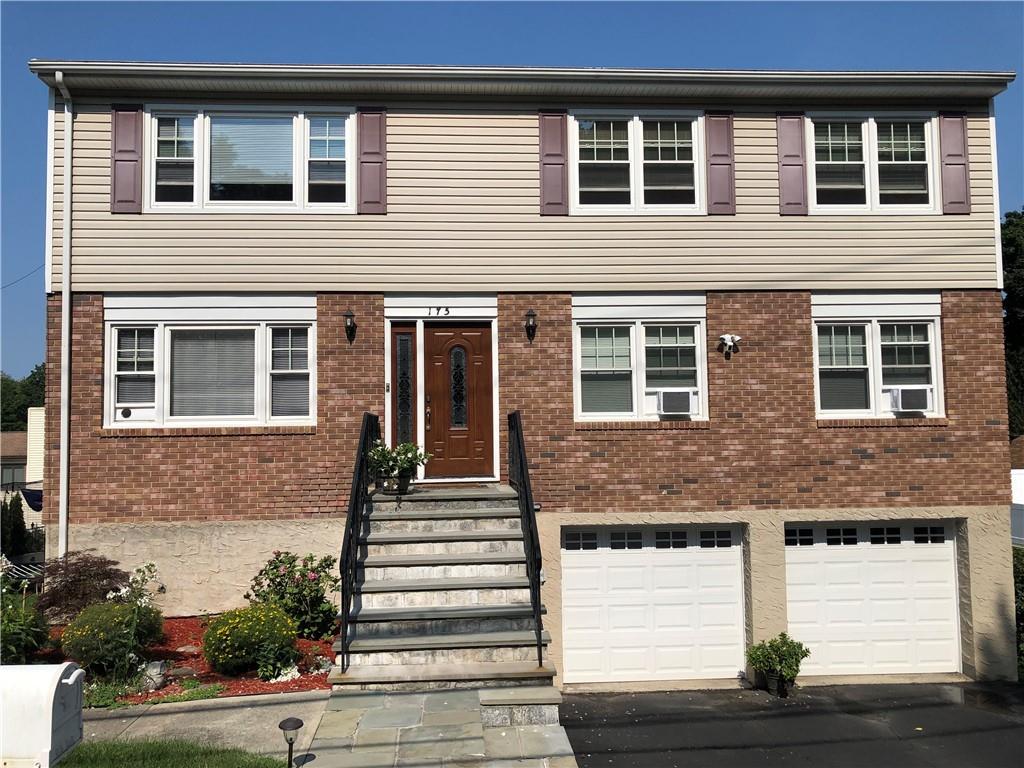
x=873 y=163
x=878 y=368
x=188 y=374
x=636 y=163
x=235 y=159
x=625 y=369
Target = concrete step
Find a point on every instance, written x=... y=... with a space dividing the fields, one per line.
x=442 y=619
x=456 y=640
x=476 y=513
x=418 y=537
x=398 y=524
x=440 y=585
x=481 y=570
x=431 y=497
x=425 y=676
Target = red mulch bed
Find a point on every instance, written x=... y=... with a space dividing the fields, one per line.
x=188 y=631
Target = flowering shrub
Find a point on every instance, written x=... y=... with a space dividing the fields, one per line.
x=391 y=462
x=260 y=637
x=300 y=588
x=107 y=639
x=22 y=626
x=137 y=590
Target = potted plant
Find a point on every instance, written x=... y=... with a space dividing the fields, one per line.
x=776 y=663
x=394 y=467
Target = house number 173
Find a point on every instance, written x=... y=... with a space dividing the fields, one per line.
x=439 y=311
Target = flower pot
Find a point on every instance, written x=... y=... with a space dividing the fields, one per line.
x=404 y=479
x=775 y=684
x=397 y=485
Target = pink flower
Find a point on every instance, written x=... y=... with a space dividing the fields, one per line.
x=282 y=570
x=297 y=577
x=311 y=576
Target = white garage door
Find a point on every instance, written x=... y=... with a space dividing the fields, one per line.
x=874 y=598
x=652 y=603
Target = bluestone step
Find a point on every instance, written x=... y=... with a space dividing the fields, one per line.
x=426 y=642
x=465 y=558
x=432 y=612
x=482 y=513
x=422 y=673
x=423 y=537
x=523 y=696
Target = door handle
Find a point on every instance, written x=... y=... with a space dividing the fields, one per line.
x=427 y=415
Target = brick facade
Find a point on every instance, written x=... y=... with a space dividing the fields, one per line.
x=238 y=473
x=761 y=449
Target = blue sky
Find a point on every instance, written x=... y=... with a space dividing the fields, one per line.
x=826 y=35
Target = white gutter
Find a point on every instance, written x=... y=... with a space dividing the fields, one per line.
x=65 y=327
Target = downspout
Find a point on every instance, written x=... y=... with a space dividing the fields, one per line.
x=65 y=327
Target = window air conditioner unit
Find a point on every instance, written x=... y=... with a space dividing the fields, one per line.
x=908 y=399
x=675 y=402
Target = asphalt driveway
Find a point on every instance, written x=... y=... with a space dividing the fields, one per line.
x=861 y=726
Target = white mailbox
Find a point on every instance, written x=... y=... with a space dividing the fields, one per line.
x=41 y=713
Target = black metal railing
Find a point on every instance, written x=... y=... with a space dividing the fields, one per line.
x=519 y=479
x=358 y=495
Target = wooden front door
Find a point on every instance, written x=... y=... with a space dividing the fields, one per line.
x=458 y=414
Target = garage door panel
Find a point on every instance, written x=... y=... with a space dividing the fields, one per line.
x=875 y=607
x=665 y=612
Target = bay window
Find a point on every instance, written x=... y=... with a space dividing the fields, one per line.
x=171 y=374
x=623 y=366
x=873 y=163
x=247 y=159
x=636 y=162
x=877 y=368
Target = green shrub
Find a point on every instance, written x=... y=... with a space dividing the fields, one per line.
x=23 y=629
x=300 y=588
x=780 y=656
x=76 y=581
x=1018 y=589
x=260 y=637
x=107 y=639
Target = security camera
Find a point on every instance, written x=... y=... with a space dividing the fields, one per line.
x=729 y=341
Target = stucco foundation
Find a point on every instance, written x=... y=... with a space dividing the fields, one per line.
x=983 y=564
x=204 y=567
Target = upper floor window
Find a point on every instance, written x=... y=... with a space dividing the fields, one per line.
x=873 y=164
x=636 y=163
x=639 y=370
x=231 y=159
x=878 y=368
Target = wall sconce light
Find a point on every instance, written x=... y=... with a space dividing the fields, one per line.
x=531 y=325
x=350 y=326
x=290 y=728
x=728 y=343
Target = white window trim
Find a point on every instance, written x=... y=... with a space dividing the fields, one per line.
x=201 y=202
x=639 y=369
x=870 y=135
x=879 y=404
x=162 y=373
x=636 y=207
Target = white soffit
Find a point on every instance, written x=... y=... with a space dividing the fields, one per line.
x=639 y=306
x=835 y=305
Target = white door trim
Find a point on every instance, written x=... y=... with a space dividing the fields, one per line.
x=475 y=311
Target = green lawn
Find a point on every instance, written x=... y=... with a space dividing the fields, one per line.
x=163 y=754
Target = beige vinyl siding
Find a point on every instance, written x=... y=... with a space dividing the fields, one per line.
x=463 y=215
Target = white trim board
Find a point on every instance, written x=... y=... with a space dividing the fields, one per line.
x=440 y=306
x=209 y=308
x=639 y=306
x=50 y=149
x=838 y=305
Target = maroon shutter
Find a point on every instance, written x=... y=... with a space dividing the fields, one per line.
x=956 y=180
x=554 y=170
x=372 y=173
x=792 y=165
x=126 y=159
x=721 y=164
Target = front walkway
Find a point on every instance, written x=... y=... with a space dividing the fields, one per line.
x=427 y=730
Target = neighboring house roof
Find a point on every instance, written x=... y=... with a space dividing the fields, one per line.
x=13 y=446
x=1017 y=453
x=511 y=82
